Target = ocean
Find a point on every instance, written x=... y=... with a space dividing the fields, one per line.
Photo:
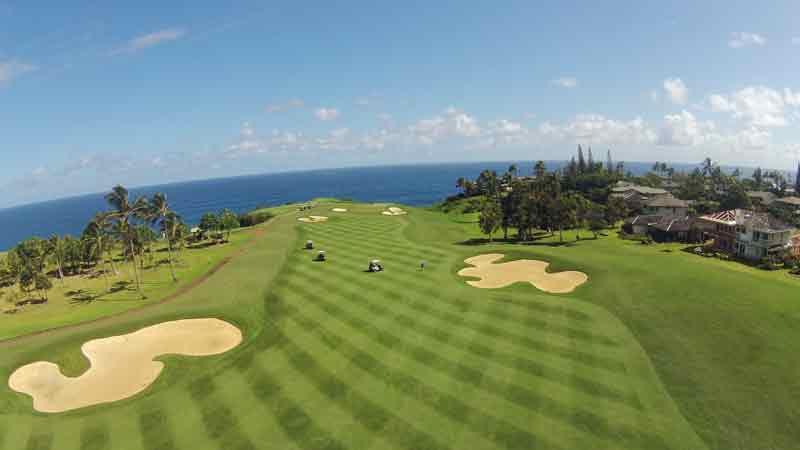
x=415 y=185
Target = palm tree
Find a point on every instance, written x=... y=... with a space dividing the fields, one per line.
x=95 y=233
x=161 y=214
x=58 y=251
x=708 y=166
x=124 y=214
x=513 y=170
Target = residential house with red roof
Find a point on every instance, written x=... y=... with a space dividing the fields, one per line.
x=747 y=234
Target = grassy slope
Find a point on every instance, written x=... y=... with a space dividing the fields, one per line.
x=64 y=307
x=336 y=358
x=720 y=334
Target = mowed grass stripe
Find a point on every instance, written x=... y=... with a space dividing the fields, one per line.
x=40 y=439
x=155 y=429
x=219 y=420
x=364 y=409
x=424 y=416
x=391 y=399
x=523 y=397
x=397 y=294
x=295 y=423
x=392 y=426
x=393 y=241
x=530 y=303
x=95 y=435
x=280 y=420
x=366 y=250
x=387 y=242
x=398 y=283
x=376 y=239
x=394 y=399
x=125 y=432
x=454 y=337
x=491 y=428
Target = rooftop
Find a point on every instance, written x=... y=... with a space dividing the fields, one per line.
x=667 y=202
x=644 y=190
x=766 y=197
x=674 y=224
x=794 y=201
x=760 y=222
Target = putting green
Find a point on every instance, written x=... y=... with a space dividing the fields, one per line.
x=337 y=358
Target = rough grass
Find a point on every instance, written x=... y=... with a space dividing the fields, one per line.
x=337 y=358
x=84 y=298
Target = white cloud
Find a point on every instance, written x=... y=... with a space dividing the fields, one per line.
x=326 y=114
x=684 y=129
x=340 y=133
x=10 y=70
x=751 y=138
x=595 y=128
x=378 y=140
x=758 y=106
x=744 y=39
x=280 y=107
x=565 y=82
x=654 y=96
x=791 y=98
x=150 y=40
x=676 y=90
x=451 y=123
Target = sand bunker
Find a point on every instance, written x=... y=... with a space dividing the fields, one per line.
x=393 y=211
x=122 y=366
x=313 y=219
x=495 y=276
x=339 y=210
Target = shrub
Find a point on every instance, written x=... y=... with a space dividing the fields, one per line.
x=254 y=218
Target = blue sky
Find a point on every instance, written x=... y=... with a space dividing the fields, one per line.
x=141 y=92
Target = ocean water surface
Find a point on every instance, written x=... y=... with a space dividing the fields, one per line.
x=410 y=185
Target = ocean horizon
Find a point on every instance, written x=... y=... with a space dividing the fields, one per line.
x=413 y=185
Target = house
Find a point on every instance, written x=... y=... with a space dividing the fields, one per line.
x=640 y=225
x=795 y=242
x=746 y=234
x=636 y=197
x=675 y=229
x=761 y=199
x=670 y=185
x=667 y=205
x=789 y=204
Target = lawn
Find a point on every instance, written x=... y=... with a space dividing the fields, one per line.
x=659 y=350
x=87 y=297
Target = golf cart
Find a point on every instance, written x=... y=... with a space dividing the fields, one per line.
x=321 y=256
x=375 y=266
x=309 y=245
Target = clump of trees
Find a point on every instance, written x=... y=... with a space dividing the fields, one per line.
x=575 y=196
x=219 y=226
x=127 y=232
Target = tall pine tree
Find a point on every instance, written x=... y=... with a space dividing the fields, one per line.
x=797 y=181
x=581 y=161
x=609 y=163
x=590 y=162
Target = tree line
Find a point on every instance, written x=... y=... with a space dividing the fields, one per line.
x=575 y=196
x=578 y=194
x=130 y=228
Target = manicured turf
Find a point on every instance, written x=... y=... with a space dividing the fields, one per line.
x=657 y=351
